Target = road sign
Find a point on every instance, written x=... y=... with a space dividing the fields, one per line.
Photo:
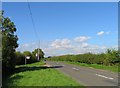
x=27 y=57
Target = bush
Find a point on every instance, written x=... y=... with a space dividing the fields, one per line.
x=111 y=57
x=20 y=58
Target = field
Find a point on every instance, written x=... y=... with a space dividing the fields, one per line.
x=37 y=75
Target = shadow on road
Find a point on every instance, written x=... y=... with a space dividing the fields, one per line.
x=27 y=68
x=57 y=67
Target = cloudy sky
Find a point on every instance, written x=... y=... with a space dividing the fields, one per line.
x=65 y=28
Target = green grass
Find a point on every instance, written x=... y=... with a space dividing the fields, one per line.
x=97 y=66
x=36 y=75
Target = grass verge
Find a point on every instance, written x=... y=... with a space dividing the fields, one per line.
x=35 y=75
x=97 y=66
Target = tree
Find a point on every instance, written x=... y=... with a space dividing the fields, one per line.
x=41 y=53
x=9 y=43
x=113 y=56
x=20 y=58
x=32 y=57
x=27 y=53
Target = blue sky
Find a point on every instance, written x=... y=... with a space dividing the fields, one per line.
x=65 y=28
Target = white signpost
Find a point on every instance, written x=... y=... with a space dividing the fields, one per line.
x=26 y=57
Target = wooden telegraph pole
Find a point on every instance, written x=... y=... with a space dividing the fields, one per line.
x=38 y=50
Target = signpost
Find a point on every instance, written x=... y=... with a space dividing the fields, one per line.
x=26 y=57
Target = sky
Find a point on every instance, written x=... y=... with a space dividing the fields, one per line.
x=65 y=27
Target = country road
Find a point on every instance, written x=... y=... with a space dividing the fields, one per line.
x=87 y=76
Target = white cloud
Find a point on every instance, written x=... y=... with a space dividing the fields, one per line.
x=61 y=44
x=103 y=32
x=100 y=33
x=85 y=45
x=25 y=45
x=64 y=46
x=81 y=38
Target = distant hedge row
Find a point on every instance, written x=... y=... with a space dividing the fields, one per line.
x=111 y=57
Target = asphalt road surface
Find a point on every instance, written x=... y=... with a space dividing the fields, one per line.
x=85 y=75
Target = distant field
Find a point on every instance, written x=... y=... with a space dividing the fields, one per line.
x=110 y=68
x=35 y=75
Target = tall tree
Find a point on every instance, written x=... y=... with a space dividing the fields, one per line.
x=9 y=43
x=41 y=53
x=20 y=58
x=27 y=53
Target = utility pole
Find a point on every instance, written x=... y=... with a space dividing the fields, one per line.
x=38 y=50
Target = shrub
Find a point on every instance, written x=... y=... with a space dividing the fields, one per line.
x=111 y=57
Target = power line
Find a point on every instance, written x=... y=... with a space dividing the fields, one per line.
x=32 y=20
x=34 y=29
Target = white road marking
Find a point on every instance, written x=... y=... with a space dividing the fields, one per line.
x=57 y=63
x=104 y=76
x=75 y=68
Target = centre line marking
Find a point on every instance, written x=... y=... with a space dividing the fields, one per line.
x=104 y=76
x=75 y=68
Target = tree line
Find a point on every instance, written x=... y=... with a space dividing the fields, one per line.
x=10 y=57
x=109 y=58
x=20 y=57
